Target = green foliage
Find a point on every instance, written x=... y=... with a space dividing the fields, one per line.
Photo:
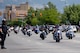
x=50 y=15
x=51 y=6
x=29 y=17
x=71 y=14
x=18 y=23
x=34 y=21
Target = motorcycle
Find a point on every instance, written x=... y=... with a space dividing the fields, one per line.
x=36 y=31
x=24 y=31
x=16 y=30
x=57 y=35
x=29 y=32
x=57 y=38
x=43 y=35
x=47 y=31
x=70 y=34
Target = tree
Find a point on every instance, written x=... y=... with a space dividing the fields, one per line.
x=51 y=6
x=71 y=14
x=30 y=15
x=34 y=21
x=19 y=22
x=50 y=14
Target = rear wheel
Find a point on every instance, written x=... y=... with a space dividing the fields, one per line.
x=70 y=36
x=57 y=39
x=43 y=38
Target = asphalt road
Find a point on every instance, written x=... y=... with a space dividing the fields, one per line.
x=19 y=43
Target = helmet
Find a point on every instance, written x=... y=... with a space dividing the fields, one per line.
x=3 y=20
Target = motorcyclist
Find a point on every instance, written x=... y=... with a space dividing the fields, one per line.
x=70 y=32
x=56 y=33
x=37 y=29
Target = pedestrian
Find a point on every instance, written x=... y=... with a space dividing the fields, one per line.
x=0 y=34
x=3 y=33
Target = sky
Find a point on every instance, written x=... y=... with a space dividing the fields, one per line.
x=60 y=4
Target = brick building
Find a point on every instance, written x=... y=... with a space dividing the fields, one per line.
x=14 y=12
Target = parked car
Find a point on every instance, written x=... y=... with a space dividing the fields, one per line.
x=72 y=27
x=51 y=27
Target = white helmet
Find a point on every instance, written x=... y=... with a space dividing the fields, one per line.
x=4 y=19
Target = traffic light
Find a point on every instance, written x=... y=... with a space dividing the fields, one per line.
x=40 y=14
x=33 y=14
